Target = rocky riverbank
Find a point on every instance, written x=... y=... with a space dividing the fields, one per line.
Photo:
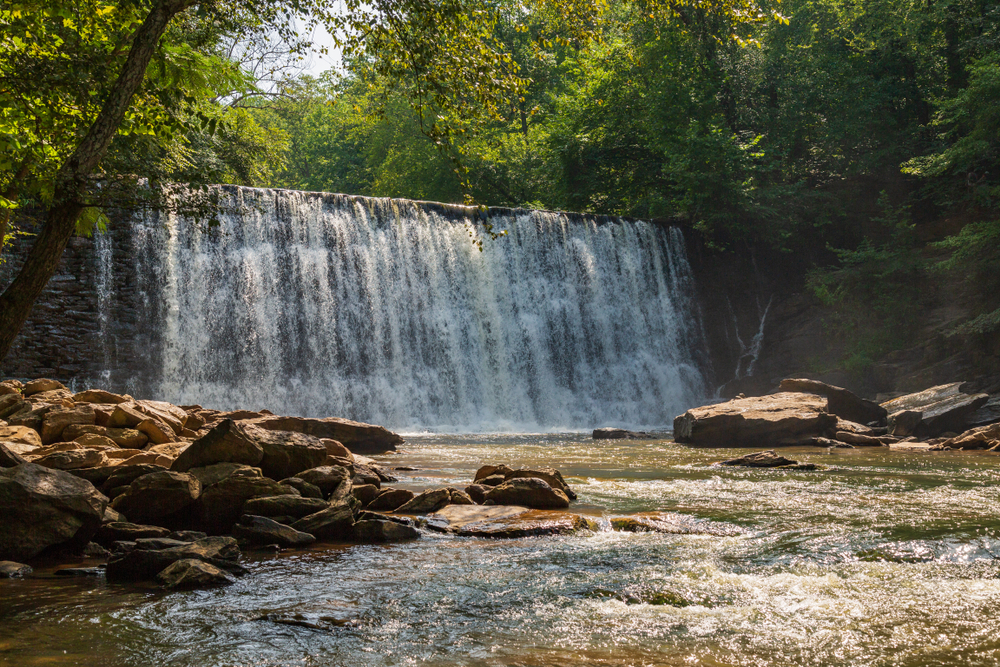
x=175 y=494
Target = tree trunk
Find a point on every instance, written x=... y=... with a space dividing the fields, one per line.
x=60 y=221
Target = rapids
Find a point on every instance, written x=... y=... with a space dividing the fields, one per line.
x=884 y=558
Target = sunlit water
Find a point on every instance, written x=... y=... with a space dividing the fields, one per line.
x=881 y=559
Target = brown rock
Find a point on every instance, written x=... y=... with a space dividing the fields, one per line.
x=125 y=415
x=755 y=421
x=221 y=504
x=477 y=492
x=53 y=508
x=858 y=439
x=506 y=522
x=73 y=459
x=157 y=432
x=159 y=497
x=622 y=434
x=11 y=404
x=22 y=434
x=669 y=522
x=527 y=492
x=9 y=458
x=334 y=448
x=95 y=441
x=334 y=523
x=143 y=564
x=767 y=459
x=840 y=401
x=262 y=530
x=458 y=497
x=365 y=493
x=287 y=454
x=491 y=470
x=941 y=408
x=287 y=505
x=982 y=437
x=389 y=500
x=331 y=480
x=74 y=431
x=127 y=438
x=358 y=437
x=228 y=442
x=118 y=455
x=550 y=476
x=191 y=573
x=424 y=503
x=57 y=419
x=99 y=396
x=382 y=531
x=40 y=385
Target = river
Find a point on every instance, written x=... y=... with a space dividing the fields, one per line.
x=882 y=558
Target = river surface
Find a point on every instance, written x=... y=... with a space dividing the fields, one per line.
x=883 y=558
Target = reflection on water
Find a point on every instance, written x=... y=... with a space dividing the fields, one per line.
x=881 y=559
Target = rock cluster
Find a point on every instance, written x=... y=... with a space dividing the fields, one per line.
x=807 y=412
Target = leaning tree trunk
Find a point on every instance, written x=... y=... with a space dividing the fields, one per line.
x=60 y=221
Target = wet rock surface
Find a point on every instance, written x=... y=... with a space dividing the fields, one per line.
x=778 y=419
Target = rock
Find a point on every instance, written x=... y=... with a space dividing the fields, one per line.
x=334 y=523
x=53 y=508
x=9 y=458
x=157 y=432
x=858 y=439
x=73 y=459
x=124 y=475
x=383 y=531
x=528 y=492
x=306 y=489
x=127 y=438
x=22 y=434
x=228 y=442
x=74 y=431
x=914 y=447
x=11 y=404
x=329 y=479
x=160 y=498
x=164 y=412
x=366 y=475
x=458 y=497
x=9 y=569
x=622 y=434
x=334 y=448
x=191 y=573
x=989 y=413
x=40 y=385
x=143 y=564
x=221 y=504
x=94 y=550
x=767 y=459
x=840 y=402
x=983 y=437
x=121 y=531
x=111 y=516
x=491 y=471
x=99 y=396
x=358 y=437
x=287 y=454
x=95 y=441
x=756 y=421
x=477 y=492
x=57 y=419
x=262 y=530
x=941 y=408
x=389 y=500
x=669 y=522
x=187 y=535
x=29 y=416
x=424 y=503
x=126 y=415
x=506 y=521
x=293 y=506
x=365 y=493
x=492 y=480
x=550 y=476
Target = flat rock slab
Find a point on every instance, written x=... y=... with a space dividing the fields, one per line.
x=778 y=419
x=768 y=459
x=506 y=521
x=915 y=447
x=622 y=434
x=840 y=401
x=358 y=437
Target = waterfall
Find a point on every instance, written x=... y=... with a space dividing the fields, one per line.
x=386 y=311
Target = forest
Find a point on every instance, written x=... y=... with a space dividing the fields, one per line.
x=856 y=140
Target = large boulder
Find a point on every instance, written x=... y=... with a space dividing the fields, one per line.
x=99 y=396
x=161 y=498
x=550 y=476
x=262 y=530
x=358 y=437
x=425 y=502
x=144 y=564
x=942 y=408
x=42 y=508
x=839 y=401
x=40 y=385
x=983 y=437
x=778 y=419
x=333 y=481
x=20 y=434
x=528 y=492
x=286 y=453
x=390 y=500
x=334 y=523
x=228 y=442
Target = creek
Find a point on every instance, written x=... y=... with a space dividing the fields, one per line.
x=883 y=558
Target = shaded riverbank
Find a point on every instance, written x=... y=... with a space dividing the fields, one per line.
x=883 y=558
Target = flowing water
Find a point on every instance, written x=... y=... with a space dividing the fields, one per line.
x=883 y=558
x=386 y=311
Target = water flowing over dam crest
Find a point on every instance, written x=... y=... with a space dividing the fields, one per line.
x=386 y=311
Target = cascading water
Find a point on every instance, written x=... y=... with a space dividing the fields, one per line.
x=385 y=311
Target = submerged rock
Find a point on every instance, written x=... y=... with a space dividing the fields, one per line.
x=45 y=508
x=143 y=564
x=671 y=523
x=766 y=459
x=380 y=531
x=777 y=419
